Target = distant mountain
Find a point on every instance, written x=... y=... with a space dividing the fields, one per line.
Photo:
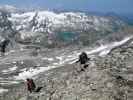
x=127 y=18
x=42 y=20
x=44 y=27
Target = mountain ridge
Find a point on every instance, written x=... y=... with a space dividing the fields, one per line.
x=50 y=28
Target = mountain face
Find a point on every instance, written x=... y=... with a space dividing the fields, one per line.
x=45 y=21
x=6 y=29
x=46 y=27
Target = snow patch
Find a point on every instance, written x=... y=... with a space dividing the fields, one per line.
x=32 y=72
x=105 y=49
x=49 y=59
x=10 y=69
x=8 y=82
x=3 y=90
x=14 y=62
x=101 y=48
x=113 y=45
x=11 y=51
x=104 y=53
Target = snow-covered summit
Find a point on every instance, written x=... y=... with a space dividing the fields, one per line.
x=44 y=21
x=37 y=26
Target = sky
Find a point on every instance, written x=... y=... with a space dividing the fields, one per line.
x=118 y=6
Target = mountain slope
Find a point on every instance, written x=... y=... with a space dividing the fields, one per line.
x=106 y=78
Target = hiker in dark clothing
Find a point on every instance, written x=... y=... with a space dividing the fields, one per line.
x=83 y=58
x=3 y=46
x=30 y=85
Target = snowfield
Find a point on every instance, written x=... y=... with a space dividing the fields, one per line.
x=3 y=90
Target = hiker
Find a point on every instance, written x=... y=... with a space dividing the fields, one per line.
x=83 y=58
x=31 y=87
x=3 y=46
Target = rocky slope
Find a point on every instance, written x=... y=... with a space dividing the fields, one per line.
x=106 y=78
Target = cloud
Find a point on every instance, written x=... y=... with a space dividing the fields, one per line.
x=8 y=8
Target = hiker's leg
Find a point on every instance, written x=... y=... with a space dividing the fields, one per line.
x=82 y=67
x=30 y=90
x=2 y=51
x=34 y=90
x=38 y=89
x=77 y=67
x=85 y=66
